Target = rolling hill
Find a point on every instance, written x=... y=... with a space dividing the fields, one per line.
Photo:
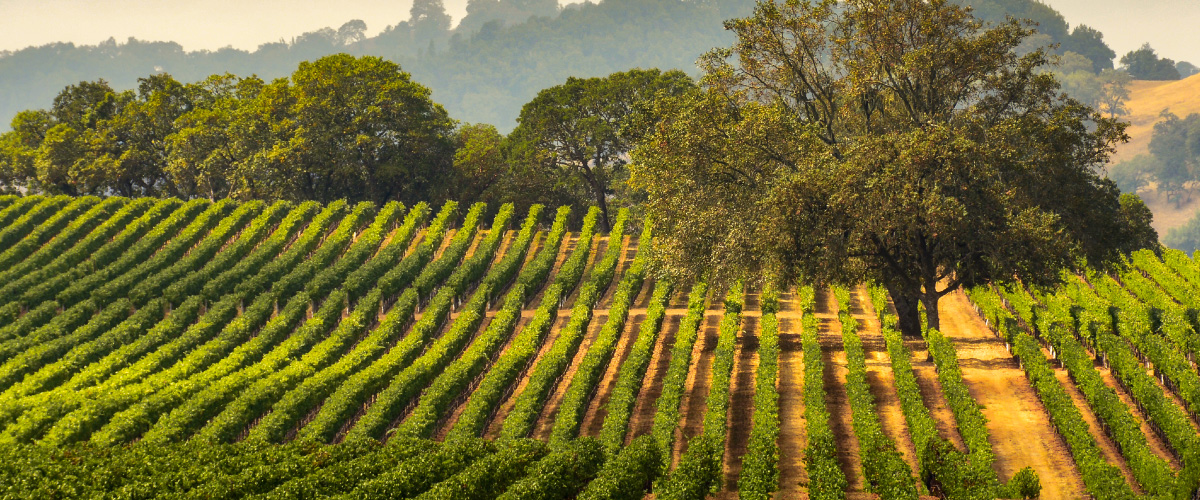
x=1147 y=99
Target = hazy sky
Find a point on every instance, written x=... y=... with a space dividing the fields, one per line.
x=1171 y=26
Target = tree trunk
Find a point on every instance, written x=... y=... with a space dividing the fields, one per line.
x=603 y=203
x=932 y=317
x=907 y=313
x=598 y=190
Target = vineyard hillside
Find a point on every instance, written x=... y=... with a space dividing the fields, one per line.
x=159 y=348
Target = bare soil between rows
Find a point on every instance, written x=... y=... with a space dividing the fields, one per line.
x=642 y=420
x=1021 y=432
x=699 y=379
x=740 y=420
x=833 y=357
x=880 y=377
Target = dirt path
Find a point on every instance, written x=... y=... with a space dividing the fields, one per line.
x=599 y=243
x=740 y=420
x=629 y=249
x=446 y=239
x=597 y=410
x=459 y=405
x=679 y=299
x=880 y=376
x=793 y=429
x=493 y=428
x=837 y=401
x=478 y=238
x=545 y=421
x=535 y=246
x=1021 y=432
x=1156 y=443
x=564 y=250
x=931 y=392
x=696 y=395
x=506 y=246
x=1108 y=448
x=412 y=245
x=642 y=420
x=1174 y=397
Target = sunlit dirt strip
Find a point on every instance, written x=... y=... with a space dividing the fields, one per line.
x=696 y=395
x=1021 y=432
x=642 y=419
x=597 y=409
x=740 y=420
x=1157 y=445
x=837 y=400
x=880 y=377
x=599 y=317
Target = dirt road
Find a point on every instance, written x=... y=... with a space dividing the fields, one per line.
x=1021 y=432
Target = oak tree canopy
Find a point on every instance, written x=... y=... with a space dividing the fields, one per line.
x=902 y=141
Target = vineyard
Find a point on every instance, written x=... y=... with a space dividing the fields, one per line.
x=196 y=349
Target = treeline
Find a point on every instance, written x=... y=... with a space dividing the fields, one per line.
x=482 y=70
x=339 y=127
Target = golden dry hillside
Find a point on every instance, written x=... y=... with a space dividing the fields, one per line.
x=1146 y=100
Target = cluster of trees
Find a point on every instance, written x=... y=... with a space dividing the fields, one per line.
x=777 y=155
x=1106 y=91
x=482 y=70
x=1144 y=64
x=339 y=127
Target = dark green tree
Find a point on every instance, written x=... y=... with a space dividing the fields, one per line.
x=360 y=128
x=897 y=141
x=479 y=164
x=216 y=137
x=1090 y=43
x=1185 y=237
x=18 y=150
x=340 y=127
x=577 y=136
x=1144 y=64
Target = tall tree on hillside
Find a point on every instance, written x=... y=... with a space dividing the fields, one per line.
x=429 y=22
x=891 y=140
x=1114 y=92
x=1186 y=69
x=577 y=135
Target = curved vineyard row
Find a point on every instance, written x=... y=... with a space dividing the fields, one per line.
x=199 y=349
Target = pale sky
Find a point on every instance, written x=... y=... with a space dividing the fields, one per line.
x=1171 y=26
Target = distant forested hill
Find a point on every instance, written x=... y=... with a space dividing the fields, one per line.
x=482 y=71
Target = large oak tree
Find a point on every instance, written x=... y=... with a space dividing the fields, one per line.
x=894 y=140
